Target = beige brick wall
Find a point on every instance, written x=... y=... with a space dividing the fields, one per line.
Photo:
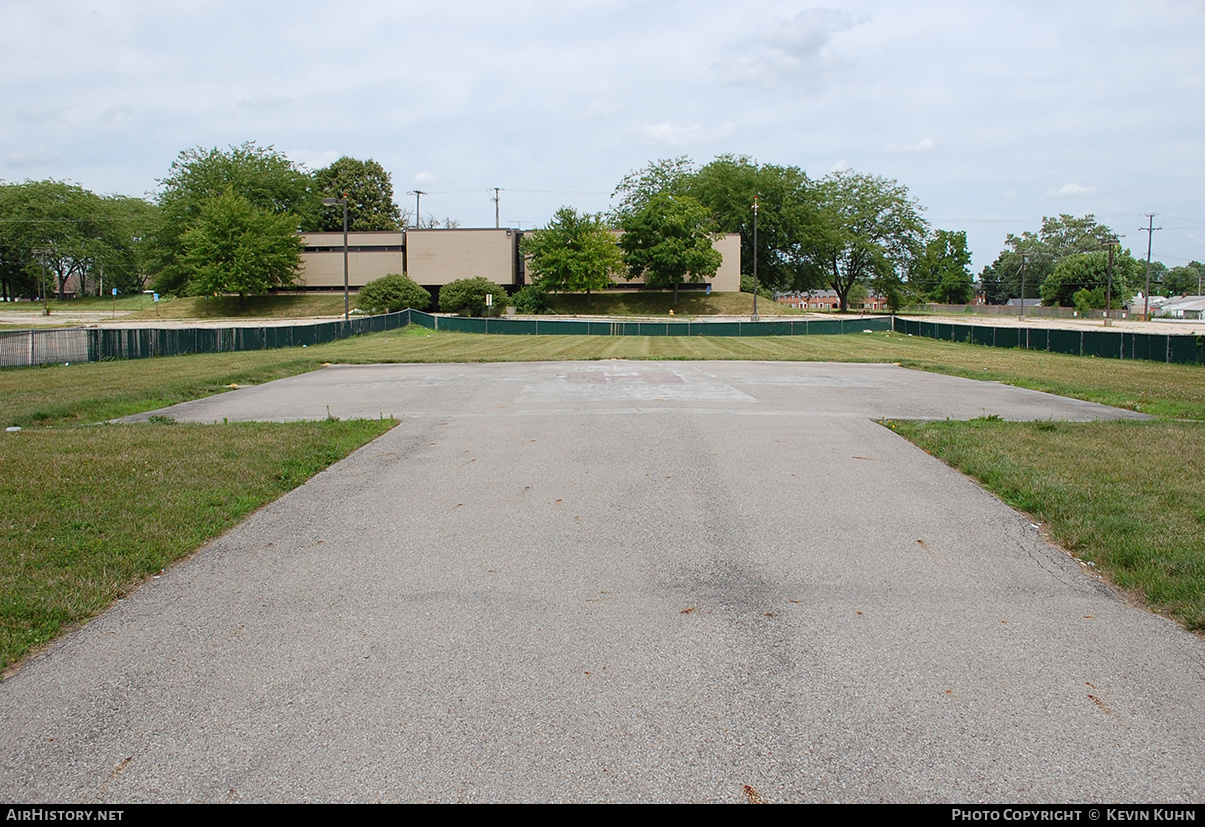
x=325 y=269
x=436 y=257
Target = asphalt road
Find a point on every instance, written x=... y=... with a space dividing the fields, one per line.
x=613 y=581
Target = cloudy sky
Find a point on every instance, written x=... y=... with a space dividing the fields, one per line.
x=993 y=114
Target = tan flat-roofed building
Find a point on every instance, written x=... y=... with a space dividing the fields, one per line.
x=434 y=258
x=369 y=256
x=437 y=257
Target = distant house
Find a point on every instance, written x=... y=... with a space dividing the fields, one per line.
x=827 y=300
x=1028 y=303
x=1184 y=307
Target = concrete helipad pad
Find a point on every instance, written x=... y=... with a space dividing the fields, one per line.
x=759 y=388
x=618 y=582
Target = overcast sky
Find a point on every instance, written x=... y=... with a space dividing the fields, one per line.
x=992 y=114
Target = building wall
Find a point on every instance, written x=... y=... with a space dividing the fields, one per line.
x=370 y=256
x=436 y=257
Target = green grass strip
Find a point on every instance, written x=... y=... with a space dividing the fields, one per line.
x=1127 y=496
x=90 y=512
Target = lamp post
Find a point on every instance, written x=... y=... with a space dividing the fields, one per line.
x=754 y=259
x=41 y=254
x=330 y=202
x=1112 y=242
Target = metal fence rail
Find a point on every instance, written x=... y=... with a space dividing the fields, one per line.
x=1108 y=344
x=19 y=348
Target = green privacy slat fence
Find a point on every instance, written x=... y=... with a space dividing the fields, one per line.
x=39 y=347
x=36 y=347
x=1110 y=344
x=581 y=327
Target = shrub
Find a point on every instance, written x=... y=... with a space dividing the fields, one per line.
x=466 y=297
x=531 y=299
x=747 y=287
x=391 y=293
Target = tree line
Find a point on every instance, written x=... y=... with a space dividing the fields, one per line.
x=226 y=221
x=221 y=221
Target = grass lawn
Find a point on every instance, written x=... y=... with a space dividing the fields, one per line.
x=1127 y=496
x=642 y=303
x=79 y=528
x=281 y=306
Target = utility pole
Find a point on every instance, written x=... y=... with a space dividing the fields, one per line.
x=1024 y=256
x=497 y=199
x=1109 y=283
x=418 y=215
x=1149 y=229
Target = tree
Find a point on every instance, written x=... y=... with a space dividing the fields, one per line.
x=574 y=253
x=70 y=231
x=391 y=293
x=1186 y=280
x=942 y=272
x=786 y=214
x=235 y=247
x=1059 y=236
x=466 y=297
x=1089 y=271
x=261 y=176
x=668 y=176
x=869 y=230
x=727 y=187
x=369 y=189
x=668 y=241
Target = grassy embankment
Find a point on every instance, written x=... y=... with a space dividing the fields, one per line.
x=141 y=307
x=95 y=508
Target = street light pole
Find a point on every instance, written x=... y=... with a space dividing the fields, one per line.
x=754 y=259
x=330 y=202
x=41 y=254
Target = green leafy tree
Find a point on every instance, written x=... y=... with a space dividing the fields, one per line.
x=942 y=272
x=869 y=230
x=786 y=214
x=1089 y=271
x=261 y=176
x=669 y=176
x=727 y=187
x=391 y=293
x=369 y=189
x=466 y=297
x=73 y=232
x=1059 y=237
x=575 y=253
x=235 y=247
x=668 y=241
x=1186 y=280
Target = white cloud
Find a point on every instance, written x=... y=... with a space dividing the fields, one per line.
x=313 y=158
x=113 y=114
x=1072 y=189
x=923 y=145
x=28 y=158
x=38 y=115
x=264 y=103
x=600 y=109
x=668 y=134
x=792 y=50
x=424 y=178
